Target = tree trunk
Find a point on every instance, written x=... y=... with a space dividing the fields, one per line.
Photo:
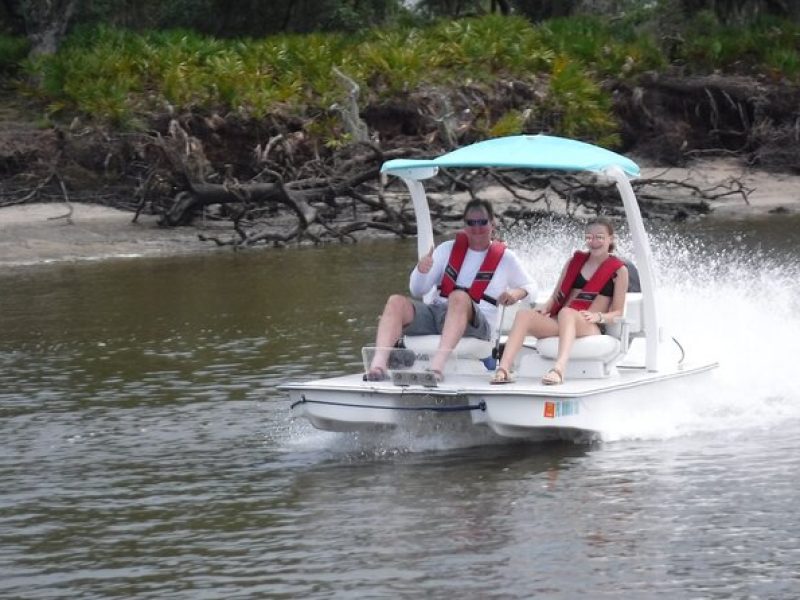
x=502 y=6
x=46 y=23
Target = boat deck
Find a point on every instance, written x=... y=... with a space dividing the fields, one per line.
x=458 y=385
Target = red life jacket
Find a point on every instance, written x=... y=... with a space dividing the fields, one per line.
x=482 y=277
x=589 y=292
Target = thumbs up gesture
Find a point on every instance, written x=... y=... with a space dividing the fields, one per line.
x=426 y=262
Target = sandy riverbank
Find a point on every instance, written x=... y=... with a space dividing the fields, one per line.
x=41 y=233
x=769 y=192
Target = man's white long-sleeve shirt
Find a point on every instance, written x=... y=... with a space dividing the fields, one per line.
x=509 y=274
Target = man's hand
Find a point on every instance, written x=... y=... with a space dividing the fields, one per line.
x=426 y=262
x=509 y=298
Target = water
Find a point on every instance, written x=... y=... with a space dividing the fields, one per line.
x=147 y=454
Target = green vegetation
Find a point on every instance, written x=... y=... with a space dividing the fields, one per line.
x=13 y=50
x=120 y=77
x=609 y=50
x=769 y=45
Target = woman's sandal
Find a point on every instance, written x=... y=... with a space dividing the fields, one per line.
x=501 y=376
x=553 y=377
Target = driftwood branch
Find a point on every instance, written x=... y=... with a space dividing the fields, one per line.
x=350 y=112
x=270 y=210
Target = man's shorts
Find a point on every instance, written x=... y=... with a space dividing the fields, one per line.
x=429 y=320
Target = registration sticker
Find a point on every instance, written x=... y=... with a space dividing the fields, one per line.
x=560 y=408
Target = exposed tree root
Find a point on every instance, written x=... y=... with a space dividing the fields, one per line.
x=275 y=184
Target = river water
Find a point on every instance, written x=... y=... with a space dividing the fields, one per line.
x=146 y=452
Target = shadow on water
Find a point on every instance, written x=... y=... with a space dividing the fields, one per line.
x=443 y=451
x=422 y=469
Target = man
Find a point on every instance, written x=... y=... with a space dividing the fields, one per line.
x=474 y=275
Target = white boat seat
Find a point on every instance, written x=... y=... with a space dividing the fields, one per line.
x=593 y=347
x=467 y=347
x=606 y=347
x=593 y=356
x=632 y=322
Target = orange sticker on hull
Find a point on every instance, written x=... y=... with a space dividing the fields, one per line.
x=555 y=409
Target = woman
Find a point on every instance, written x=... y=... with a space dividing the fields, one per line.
x=590 y=292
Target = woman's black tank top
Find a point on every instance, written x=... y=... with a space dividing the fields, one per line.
x=608 y=288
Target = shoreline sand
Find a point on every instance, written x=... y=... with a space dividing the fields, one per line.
x=40 y=233
x=33 y=234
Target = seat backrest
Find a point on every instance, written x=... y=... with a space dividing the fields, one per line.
x=634 y=284
x=634 y=312
x=634 y=316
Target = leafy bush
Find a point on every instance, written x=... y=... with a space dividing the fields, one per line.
x=120 y=76
x=770 y=45
x=13 y=50
x=614 y=50
x=577 y=107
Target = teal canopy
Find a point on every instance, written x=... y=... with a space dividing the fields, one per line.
x=524 y=152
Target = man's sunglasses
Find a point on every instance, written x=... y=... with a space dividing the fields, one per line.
x=477 y=222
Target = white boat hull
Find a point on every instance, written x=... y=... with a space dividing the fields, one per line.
x=523 y=409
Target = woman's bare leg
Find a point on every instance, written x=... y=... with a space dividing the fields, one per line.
x=526 y=322
x=571 y=325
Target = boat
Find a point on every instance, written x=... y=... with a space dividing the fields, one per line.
x=609 y=376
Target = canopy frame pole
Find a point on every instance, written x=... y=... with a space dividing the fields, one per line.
x=423 y=215
x=644 y=263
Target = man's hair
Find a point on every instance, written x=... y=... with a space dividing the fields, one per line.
x=479 y=204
